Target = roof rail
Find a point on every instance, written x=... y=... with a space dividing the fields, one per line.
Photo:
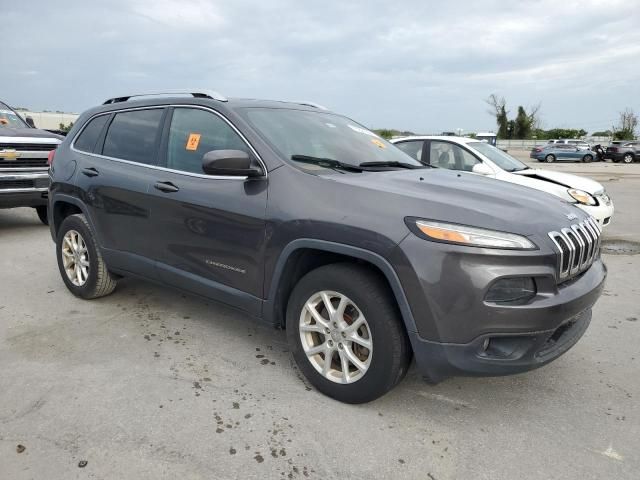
x=196 y=93
x=312 y=104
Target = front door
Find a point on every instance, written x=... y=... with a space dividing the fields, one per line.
x=212 y=229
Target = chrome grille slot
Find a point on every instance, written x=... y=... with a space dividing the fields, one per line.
x=577 y=247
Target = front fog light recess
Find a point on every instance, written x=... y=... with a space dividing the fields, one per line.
x=512 y=290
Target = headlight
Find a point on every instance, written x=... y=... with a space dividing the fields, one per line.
x=581 y=196
x=470 y=236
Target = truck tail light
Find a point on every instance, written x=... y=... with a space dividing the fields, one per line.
x=52 y=154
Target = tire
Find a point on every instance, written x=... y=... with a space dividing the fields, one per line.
x=587 y=158
x=550 y=158
x=370 y=304
x=42 y=214
x=95 y=280
x=628 y=158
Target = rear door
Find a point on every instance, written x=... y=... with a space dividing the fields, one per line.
x=116 y=179
x=211 y=228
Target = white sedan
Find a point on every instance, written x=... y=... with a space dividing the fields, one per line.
x=470 y=155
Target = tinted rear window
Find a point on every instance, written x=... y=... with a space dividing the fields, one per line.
x=134 y=136
x=87 y=139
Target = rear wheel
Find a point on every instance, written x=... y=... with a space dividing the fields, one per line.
x=79 y=260
x=550 y=158
x=587 y=158
x=346 y=334
x=42 y=214
x=628 y=158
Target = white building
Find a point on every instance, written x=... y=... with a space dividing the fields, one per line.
x=49 y=120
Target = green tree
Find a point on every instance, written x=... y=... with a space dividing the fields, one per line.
x=499 y=110
x=66 y=128
x=522 y=126
x=626 y=128
x=385 y=133
x=602 y=133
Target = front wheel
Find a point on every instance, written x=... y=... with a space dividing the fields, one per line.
x=628 y=158
x=587 y=158
x=79 y=260
x=550 y=158
x=42 y=214
x=346 y=334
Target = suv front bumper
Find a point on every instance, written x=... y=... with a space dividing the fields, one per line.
x=461 y=334
x=23 y=189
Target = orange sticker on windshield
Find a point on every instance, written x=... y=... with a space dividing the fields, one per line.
x=378 y=143
x=193 y=141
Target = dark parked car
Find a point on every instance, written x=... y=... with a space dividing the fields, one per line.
x=307 y=220
x=562 y=152
x=623 y=151
x=23 y=162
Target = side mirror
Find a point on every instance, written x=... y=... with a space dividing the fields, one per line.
x=30 y=122
x=230 y=163
x=482 y=169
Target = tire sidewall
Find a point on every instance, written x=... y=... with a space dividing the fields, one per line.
x=76 y=222
x=550 y=158
x=375 y=378
x=588 y=158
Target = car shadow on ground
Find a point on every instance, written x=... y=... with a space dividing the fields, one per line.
x=249 y=335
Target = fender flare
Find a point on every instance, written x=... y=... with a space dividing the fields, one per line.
x=62 y=197
x=269 y=307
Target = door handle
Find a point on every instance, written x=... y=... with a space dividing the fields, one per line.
x=166 y=187
x=90 y=172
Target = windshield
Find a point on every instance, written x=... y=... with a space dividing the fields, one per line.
x=301 y=135
x=497 y=156
x=9 y=118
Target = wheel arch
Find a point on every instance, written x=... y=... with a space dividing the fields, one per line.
x=63 y=206
x=303 y=255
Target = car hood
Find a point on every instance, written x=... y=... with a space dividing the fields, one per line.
x=562 y=179
x=27 y=133
x=465 y=198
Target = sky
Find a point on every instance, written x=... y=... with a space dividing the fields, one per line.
x=414 y=65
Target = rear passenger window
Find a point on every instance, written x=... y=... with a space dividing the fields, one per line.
x=195 y=132
x=87 y=139
x=134 y=136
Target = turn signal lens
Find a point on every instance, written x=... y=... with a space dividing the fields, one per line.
x=471 y=236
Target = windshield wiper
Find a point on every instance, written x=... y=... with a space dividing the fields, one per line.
x=391 y=164
x=325 y=162
x=511 y=170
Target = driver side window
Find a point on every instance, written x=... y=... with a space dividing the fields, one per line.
x=451 y=156
x=195 y=132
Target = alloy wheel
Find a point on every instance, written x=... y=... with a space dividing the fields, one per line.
x=75 y=258
x=336 y=337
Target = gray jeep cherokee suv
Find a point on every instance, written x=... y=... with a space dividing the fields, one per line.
x=308 y=221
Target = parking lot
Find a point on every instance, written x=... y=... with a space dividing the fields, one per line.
x=150 y=383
